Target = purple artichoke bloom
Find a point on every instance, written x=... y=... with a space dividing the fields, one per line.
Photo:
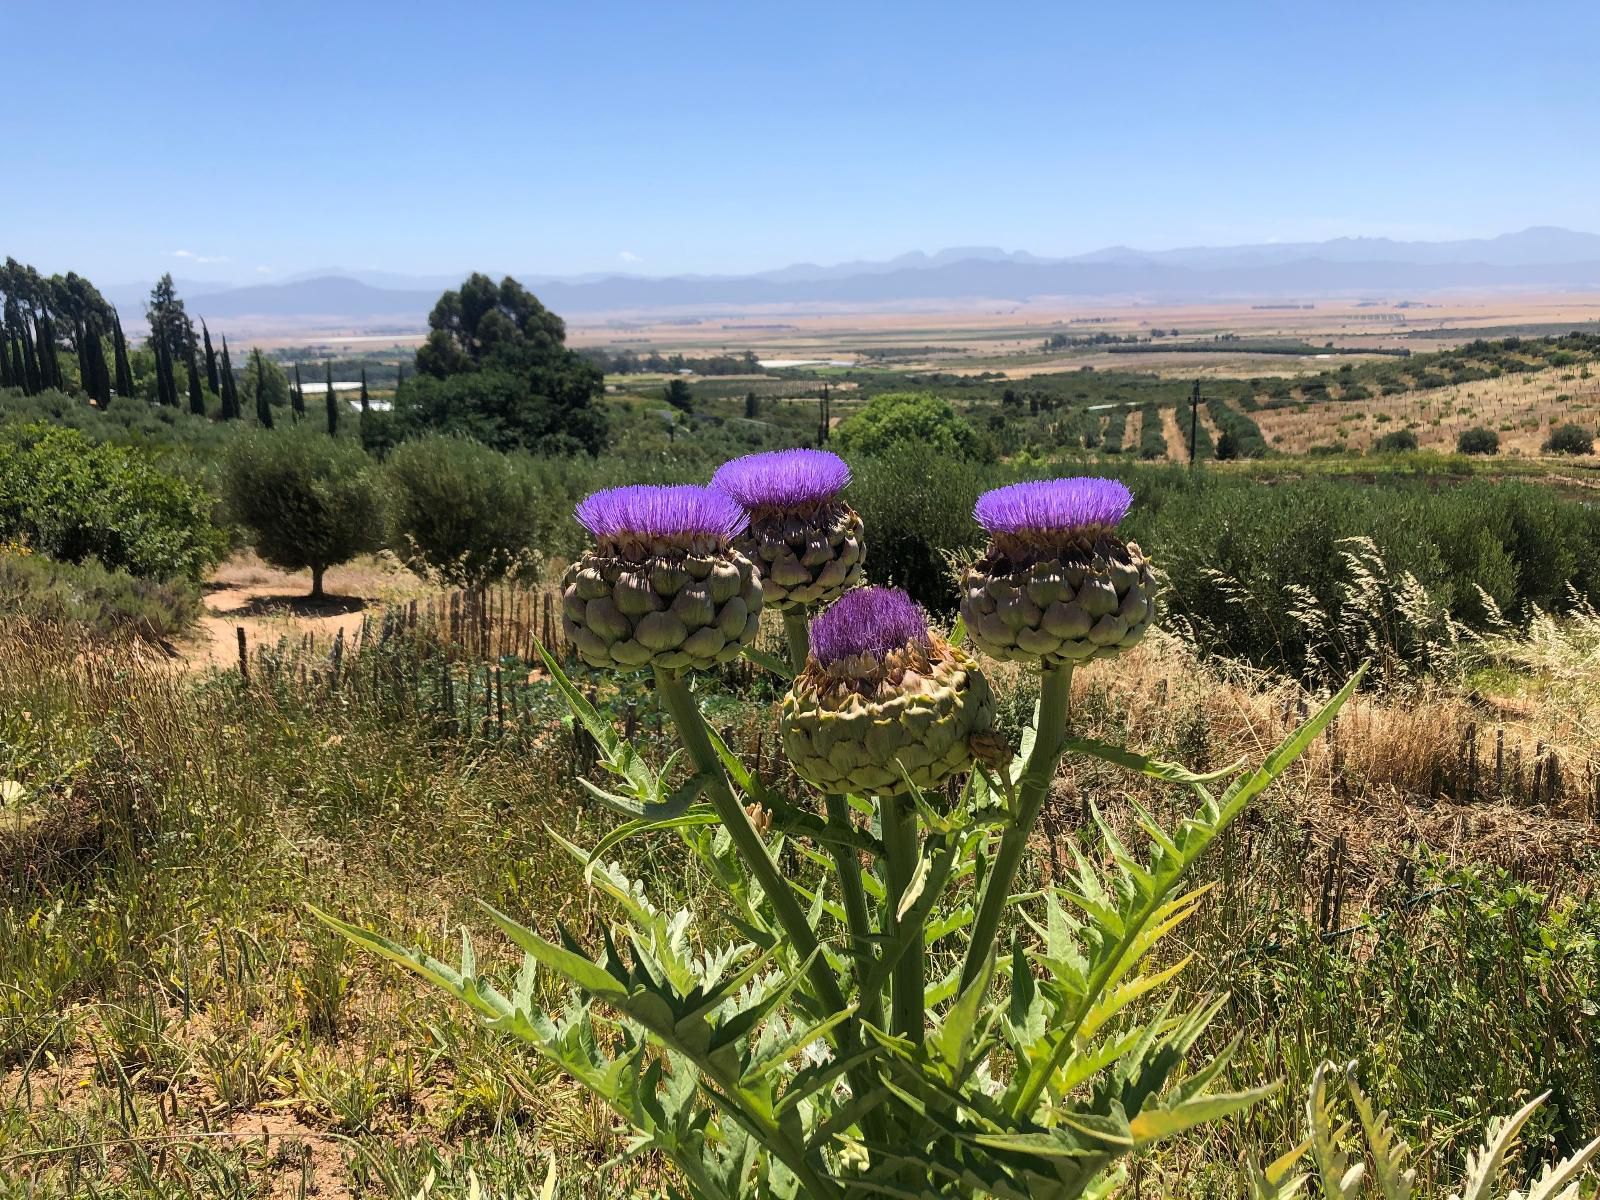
x=882 y=700
x=803 y=538
x=783 y=479
x=869 y=620
x=649 y=513
x=1076 y=506
x=1056 y=585
x=663 y=587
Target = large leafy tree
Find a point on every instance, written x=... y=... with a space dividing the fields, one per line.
x=496 y=367
x=897 y=418
x=171 y=330
x=309 y=502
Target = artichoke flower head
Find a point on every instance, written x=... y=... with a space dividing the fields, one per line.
x=663 y=585
x=1056 y=584
x=806 y=542
x=882 y=699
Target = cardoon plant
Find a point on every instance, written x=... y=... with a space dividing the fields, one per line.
x=663 y=586
x=871 y=1029
x=804 y=539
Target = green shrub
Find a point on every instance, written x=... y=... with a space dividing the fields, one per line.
x=1478 y=440
x=1240 y=436
x=308 y=500
x=73 y=499
x=109 y=603
x=1152 y=440
x=458 y=509
x=1569 y=439
x=1396 y=442
x=896 y=418
x=916 y=502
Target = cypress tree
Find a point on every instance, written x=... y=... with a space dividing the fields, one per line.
x=119 y=351
x=332 y=400
x=197 y=397
x=45 y=347
x=298 y=400
x=211 y=361
x=30 y=360
x=399 y=378
x=5 y=358
x=230 y=386
x=366 y=404
x=263 y=407
x=19 y=374
x=80 y=343
x=752 y=406
x=98 y=380
x=161 y=373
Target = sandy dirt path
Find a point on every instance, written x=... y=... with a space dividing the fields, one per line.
x=269 y=604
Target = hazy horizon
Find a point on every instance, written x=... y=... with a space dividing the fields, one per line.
x=723 y=140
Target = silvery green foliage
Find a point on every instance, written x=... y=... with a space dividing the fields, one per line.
x=733 y=1061
x=1341 y=1154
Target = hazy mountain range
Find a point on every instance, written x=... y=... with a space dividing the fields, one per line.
x=1541 y=257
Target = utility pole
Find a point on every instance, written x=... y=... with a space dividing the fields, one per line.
x=1194 y=421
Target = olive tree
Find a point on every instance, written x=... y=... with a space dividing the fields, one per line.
x=460 y=510
x=308 y=502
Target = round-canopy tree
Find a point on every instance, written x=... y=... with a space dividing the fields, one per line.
x=1478 y=440
x=459 y=510
x=309 y=502
x=896 y=418
x=1569 y=439
x=496 y=367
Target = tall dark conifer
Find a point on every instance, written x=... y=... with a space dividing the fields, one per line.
x=30 y=359
x=211 y=362
x=366 y=403
x=80 y=343
x=49 y=362
x=119 y=352
x=263 y=405
x=298 y=400
x=331 y=399
x=19 y=371
x=5 y=359
x=197 y=395
x=230 y=386
x=98 y=380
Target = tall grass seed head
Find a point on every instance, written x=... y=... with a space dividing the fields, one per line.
x=664 y=585
x=881 y=699
x=1056 y=584
x=805 y=540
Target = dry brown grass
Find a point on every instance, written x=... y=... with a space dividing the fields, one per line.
x=1520 y=408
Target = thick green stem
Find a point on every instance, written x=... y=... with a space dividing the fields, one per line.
x=675 y=694
x=857 y=917
x=859 y=921
x=798 y=630
x=900 y=859
x=1055 y=694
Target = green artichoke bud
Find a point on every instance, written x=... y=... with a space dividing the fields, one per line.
x=663 y=586
x=1056 y=585
x=882 y=699
x=805 y=541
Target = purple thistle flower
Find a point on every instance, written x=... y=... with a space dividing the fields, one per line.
x=645 y=512
x=783 y=478
x=869 y=620
x=1083 y=504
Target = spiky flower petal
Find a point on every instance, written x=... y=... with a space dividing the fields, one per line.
x=1056 y=584
x=882 y=699
x=664 y=586
x=806 y=541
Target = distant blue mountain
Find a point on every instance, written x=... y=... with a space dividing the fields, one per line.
x=1540 y=257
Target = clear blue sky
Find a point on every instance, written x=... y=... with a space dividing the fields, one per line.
x=666 y=137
